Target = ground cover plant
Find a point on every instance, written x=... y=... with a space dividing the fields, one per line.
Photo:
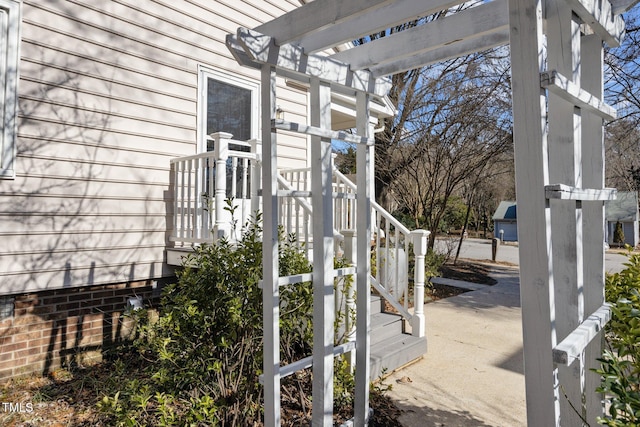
x=620 y=363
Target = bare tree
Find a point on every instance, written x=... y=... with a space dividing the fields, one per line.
x=456 y=125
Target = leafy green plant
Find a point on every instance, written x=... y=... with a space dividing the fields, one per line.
x=203 y=353
x=620 y=362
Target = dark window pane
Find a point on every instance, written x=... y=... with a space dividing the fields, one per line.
x=228 y=110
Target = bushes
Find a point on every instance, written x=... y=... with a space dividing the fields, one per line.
x=203 y=354
x=620 y=364
x=205 y=349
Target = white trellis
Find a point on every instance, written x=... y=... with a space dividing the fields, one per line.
x=557 y=62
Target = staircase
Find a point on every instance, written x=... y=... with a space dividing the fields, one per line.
x=200 y=216
x=391 y=348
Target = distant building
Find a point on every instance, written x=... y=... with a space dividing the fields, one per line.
x=505 y=222
x=625 y=210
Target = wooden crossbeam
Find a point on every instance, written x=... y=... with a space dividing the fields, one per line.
x=454 y=50
x=598 y=14
x=566 y=192
x=575 y=343
x=621 y=6
x=262 y=49
x=323 y=133
x=566 y=89
x=314 y=16
x=374 y=20
x=307 y=362
x=470 y=23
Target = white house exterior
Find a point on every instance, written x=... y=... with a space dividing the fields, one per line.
x=107 y=93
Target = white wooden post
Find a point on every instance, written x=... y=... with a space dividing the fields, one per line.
x=270 y=264
x=364 y=159
x=593 y=215
x=222 y=224
x=419 y=239
x=563 y=55
x=531 y=154
x=323 y=253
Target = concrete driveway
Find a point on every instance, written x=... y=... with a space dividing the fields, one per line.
x=472 y=374
x=480 y=249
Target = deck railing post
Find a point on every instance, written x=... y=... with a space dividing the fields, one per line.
x=350 y=254
x=419 y=238
x=221 y=151
x=256 y=173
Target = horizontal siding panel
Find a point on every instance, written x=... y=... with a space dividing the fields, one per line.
x=38 y=224
x=33 y=281
x=72 y=97
x=107 y=69
x=99 y=241
x=89 y=131
x=110 y=122
x=65 y=151
x=34 y=138
x=49 y=77
x=78 y=187
x=55 y=204
x=81 y=258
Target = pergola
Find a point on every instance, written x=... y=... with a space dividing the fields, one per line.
x=558 y=114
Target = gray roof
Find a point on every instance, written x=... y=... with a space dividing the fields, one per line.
x=624 y=208
x=506 y=211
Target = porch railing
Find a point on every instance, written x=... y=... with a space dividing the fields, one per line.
x=396 y=251
x=204 y=182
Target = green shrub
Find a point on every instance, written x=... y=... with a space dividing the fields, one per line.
x=620 y=363
x=205 y=349
x=204 y=352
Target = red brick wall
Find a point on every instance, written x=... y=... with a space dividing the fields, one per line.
x=66 y=327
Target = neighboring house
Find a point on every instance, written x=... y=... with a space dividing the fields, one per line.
x=98 y=98
x=623 y=209
x=505 y=222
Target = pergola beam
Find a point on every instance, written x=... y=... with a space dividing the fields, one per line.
x=365 y=24
x=263 y=49
x=314 y=16
x=451 y=51
x=599 y=16
x=621 y=6
x=471 y=23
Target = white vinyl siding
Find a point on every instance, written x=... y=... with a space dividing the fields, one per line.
x=108 y=95
x=9 y=61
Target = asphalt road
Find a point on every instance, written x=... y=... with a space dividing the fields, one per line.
x=480 y=249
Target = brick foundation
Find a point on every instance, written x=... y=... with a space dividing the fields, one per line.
x=67 y=327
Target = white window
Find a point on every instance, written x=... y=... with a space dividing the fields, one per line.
x=226 y=104
x=9 y=59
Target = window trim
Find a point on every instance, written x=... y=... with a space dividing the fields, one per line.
x=205 y=73
x=9 y=90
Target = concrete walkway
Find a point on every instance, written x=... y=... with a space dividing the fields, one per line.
x=472 y=374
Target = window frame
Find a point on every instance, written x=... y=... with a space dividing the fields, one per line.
x=204 y=74
x=9 y=66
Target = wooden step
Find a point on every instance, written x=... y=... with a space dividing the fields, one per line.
x=393 y=353
x=385 y=326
